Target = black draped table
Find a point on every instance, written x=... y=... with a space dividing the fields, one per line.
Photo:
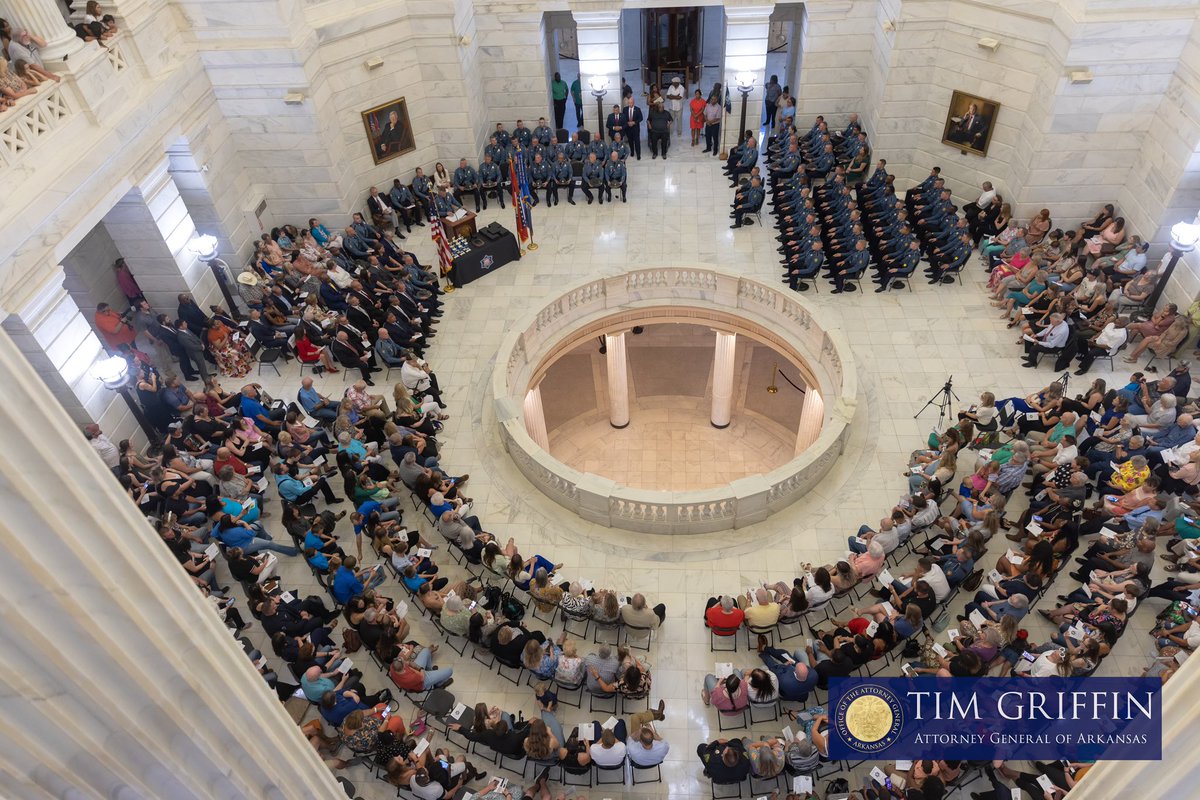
x=489 y=257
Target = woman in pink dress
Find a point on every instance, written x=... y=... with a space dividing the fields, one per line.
x=1112 y=234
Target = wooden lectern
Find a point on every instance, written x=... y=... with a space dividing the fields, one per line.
x=464 y=227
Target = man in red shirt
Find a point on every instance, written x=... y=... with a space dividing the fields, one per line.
x=225 y=458
x=723 y=613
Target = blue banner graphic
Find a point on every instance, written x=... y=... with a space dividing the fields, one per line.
x=1079 y=719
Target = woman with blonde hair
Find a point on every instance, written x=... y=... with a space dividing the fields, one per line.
x=605 y=606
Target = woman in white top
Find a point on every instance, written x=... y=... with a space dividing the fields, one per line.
x=675 y=96
x=341 y=279
x=441 y=178
x=819 y=587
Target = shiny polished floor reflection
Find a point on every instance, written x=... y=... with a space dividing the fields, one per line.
x=905 y=345
x=670 y=445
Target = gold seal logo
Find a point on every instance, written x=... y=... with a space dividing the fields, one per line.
x=869 y=718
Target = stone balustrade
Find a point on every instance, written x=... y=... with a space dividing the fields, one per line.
x=668 y=294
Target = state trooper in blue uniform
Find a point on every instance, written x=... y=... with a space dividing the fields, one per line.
x=466 y=181
x=614 y=175
x=405 y=204
x=786 y=166
x=854 y=265
x=522 y=134
x=538 y=149
x=539 y=178
x=497 y=151
x=950 y=259
x=502 y=136
x=491 y=179
x=619 y=147
x=598 y=147
x=746 y=161
x=445 y=203
x=542 y=133
x=805 y=266
x=747 y=200
x=554 y=148
x=593 y=178
x=563 y=176
x=902 y=267
x=420 y=189
x=576 y=150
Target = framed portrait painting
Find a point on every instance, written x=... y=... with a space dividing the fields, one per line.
x=389 y=132
x=969 y=123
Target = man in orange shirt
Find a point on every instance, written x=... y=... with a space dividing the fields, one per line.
x=115 y=329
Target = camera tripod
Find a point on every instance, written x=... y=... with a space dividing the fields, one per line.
x=942 y=401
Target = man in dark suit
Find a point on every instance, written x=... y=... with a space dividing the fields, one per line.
x=382 y=213
x=631 y=126
x=351 y=354
x=358 y=316
x=970 y=129
x=614 y=123
x=268 y=336
x=193 y=346
x=188 y=310
x=164 y=331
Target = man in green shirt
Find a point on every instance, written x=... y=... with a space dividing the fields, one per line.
x=558 y=90
x=577 y=96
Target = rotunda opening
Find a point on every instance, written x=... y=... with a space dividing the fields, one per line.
x=700 y=408
x=674 y=400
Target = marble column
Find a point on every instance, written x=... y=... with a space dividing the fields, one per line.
x=812 y=416
x=1176 y=774
x=152 y=229
x=116 y=678
x=43 y=18
x=57 y=339
x=618 y=380
x=535 y=418
x=723 y=369
x=599 y=34
x=747 y=29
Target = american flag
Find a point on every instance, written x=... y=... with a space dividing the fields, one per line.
x=440 y=243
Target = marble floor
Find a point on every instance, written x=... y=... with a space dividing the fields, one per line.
x=670 y=445
x=905 y=345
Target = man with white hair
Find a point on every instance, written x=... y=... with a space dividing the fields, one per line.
x=600 y=667
x=1158 y=417
x=723 y=613
x=27 y=47
x=315 y=404
x=639 y=615
x=452 y=526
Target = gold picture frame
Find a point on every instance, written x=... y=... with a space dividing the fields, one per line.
x=970 y=121
x=389 y=131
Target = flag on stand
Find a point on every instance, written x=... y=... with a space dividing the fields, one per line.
x=440 y=243
x=521 y=198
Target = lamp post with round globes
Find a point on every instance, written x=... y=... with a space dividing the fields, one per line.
x=599 y=85
x=1184 y=236
x=114 y=373
x=204 y=247
x=745 y=85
